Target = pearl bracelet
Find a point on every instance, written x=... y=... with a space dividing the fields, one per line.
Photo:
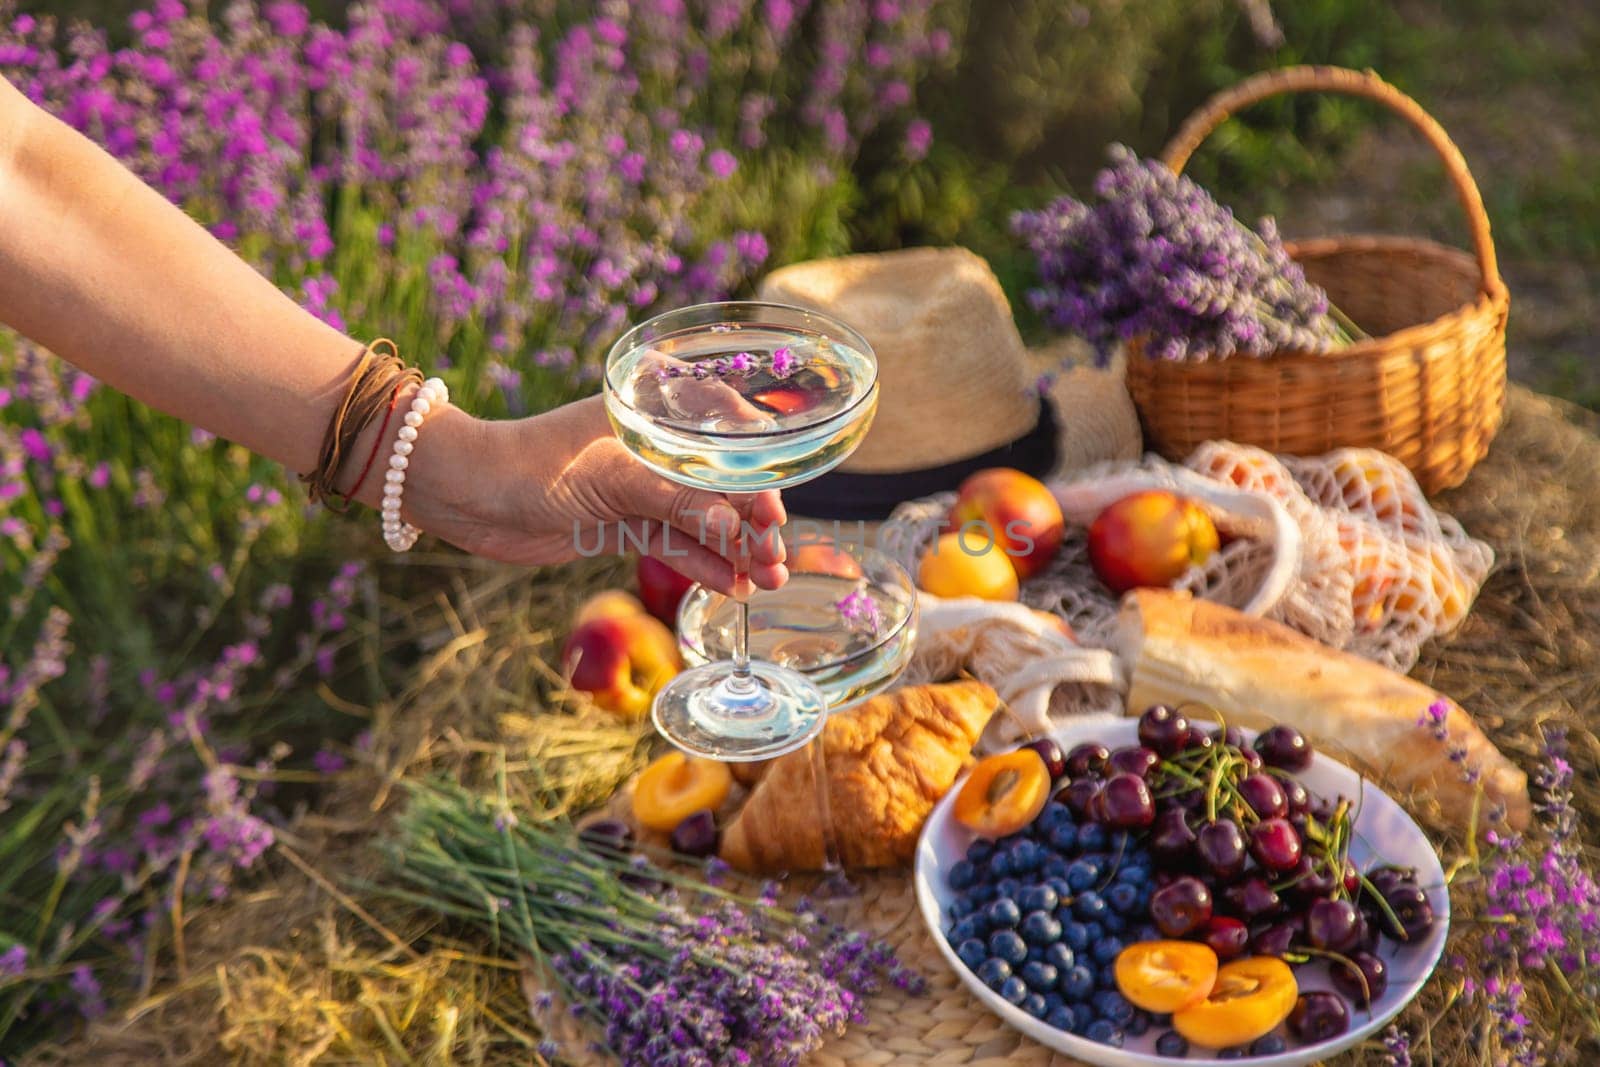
x=401 y=535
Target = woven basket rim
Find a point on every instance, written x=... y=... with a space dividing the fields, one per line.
x=1488 y=302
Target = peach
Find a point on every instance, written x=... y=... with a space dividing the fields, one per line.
x=661 y=588
x=1020 y=512
x=967 y=565
x=823 y=557
x=621 y=661
x=1149 y=538
x=610 y=604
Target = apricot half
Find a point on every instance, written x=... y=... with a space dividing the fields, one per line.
x=676 y=786
x=1166 y=976
x=1003 y=793
x=1248 y=1000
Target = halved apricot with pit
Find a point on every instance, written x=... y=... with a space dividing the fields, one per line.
x=1166 y=976
x=676 y=786
x=1248 y=1000
x=1003 y=793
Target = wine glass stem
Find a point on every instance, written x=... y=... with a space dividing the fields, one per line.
x=742 y=681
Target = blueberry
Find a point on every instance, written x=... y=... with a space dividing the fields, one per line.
x=1123 y=898
x=1003 y=912
x=1106 y=951
x=981 y=893
x=1109 y=1004
x=961 y=906
x=1006 y=945
x=1134 y=876
x=1025 y=857
x=994 y=972
x=1237 y=1052
x=1091 y=837
x=1035 y=953
x=962 y=874
x=980 y=850
x=1033 y=1004
x=1105 y=976
x=1172 y=1044
x=1040 y=928
x=1007 y=887
x=1060 y=1018
x=1013 y=990
x=1089 y=905
x=1039 y=976
x=1054 y=872
x=1038 y=898
x=1076 y=936
x=1139 y=1025
x=1000 y=864
x=1120 y=843
x=1105 y=1032
x=1053 y=815
x=1082 y=874
x=1095 y=931
x=1077 y=983
x=1064 y=838
x=1059 y=883
x=1060 y=956
x=972 y=952
x=1147 y=932
x=968 y=928
x=1270 y=1045
x=1114 y=923
x=1053 y=1000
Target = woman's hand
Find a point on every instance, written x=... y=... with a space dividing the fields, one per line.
x=559 y=485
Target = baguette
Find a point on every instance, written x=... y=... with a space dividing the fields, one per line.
x=1254 y=673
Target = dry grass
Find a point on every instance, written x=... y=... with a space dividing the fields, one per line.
x=302 y=972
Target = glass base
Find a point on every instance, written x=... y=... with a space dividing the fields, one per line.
x=705 y=711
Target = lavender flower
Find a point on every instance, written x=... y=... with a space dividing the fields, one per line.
x=860 y=611
x=1157 y=259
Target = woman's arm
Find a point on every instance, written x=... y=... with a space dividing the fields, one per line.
x=105 y=272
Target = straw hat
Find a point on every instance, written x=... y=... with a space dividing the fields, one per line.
x=958 y=389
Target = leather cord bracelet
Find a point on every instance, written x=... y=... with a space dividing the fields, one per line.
x=378 y=377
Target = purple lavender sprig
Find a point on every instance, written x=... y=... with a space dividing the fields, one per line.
x=860 y=611
x=665 y=967
x=1157 y=259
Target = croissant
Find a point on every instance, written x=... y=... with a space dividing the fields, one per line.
x=889 y=760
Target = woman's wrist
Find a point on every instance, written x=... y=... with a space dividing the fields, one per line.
x=448 y=443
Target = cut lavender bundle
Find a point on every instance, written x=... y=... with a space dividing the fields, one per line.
x=665 y=968
x=1157 y=259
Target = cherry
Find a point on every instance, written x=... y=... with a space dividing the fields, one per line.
x=1295 y=793
x=1126 y=802
x=1331 y=925
x=1319 y=1016
x=1135 y=759
x=1264 y=795
x=1250 y=899
x=1386 y=878
x=1087 y=759
x=696 y=835
x=1274 y=844
x=1227 y=937
x=1311 y=880
x=1276 y=939
x=1252 y=760
x=1365 y=967
x=1079 y=795
x=1220 y=846
x=1233 y=737
x=1163 y=729
x=1172 y=841
x=1284 y=747
x=1050 y=752
x=1413 y=910
x=1181 y=907
x=1201 y=738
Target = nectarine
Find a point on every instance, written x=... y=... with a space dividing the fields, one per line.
x=823 y=557
x=1149 y=538
x=621 y=661
x=967 y=565
x=1020 y=512
x=661 y=588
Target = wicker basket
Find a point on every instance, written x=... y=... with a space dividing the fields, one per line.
x=1428 y=387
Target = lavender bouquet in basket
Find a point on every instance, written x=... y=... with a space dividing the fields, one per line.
x=1156 y=258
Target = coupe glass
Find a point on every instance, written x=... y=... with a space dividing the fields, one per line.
x=736 y=398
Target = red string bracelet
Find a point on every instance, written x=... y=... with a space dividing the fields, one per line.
x=377 y=443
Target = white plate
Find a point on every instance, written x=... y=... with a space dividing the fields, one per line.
x=1383 y=833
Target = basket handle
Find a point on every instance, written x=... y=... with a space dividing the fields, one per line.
x=1367 y=84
